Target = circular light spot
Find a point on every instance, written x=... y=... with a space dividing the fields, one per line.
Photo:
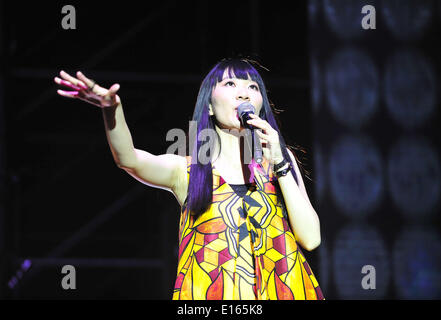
x=344 y=17
x=406 y=19
x=355 y=247
x=414 y=177
x=352 y=87
x=410 y=89
x=356 y=179
x=417 y=264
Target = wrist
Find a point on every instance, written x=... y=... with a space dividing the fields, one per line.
x=279 y=164
x=284 y=167
x=283 y=171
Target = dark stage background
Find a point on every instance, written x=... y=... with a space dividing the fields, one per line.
x=363 y=103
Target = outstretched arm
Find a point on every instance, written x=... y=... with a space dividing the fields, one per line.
x=161 y=171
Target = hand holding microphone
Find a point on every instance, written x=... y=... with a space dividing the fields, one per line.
x=268 y=135
x=245 y=110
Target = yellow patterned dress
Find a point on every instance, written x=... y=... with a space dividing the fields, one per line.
x=242 y=247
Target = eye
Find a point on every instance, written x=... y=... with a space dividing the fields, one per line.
x=229 y=83
x=254 y=87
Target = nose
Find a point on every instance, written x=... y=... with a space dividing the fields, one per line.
x=242 y=94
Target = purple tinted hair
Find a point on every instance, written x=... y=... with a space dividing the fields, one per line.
x=200 y=188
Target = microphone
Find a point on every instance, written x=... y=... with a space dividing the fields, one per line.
x=244 y=110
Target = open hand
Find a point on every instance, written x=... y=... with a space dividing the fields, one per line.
x=87 y=90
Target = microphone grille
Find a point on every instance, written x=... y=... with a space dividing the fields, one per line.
x=245 y=107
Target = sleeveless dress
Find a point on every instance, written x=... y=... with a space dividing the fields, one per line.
x=242 y=247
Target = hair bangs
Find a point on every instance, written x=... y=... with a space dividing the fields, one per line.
x=236 y=68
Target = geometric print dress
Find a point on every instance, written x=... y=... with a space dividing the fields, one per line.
x=242 y=247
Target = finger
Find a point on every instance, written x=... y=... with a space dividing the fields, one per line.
x=82 y=85
x=263 y=140
x=261 y=134
x=71 y=79
x=262 y=124
x=66 y=83
x=113 y=89
x=68 y=94
x=263 y=144
x=257 y=123
x=89 y=83
x=68 y=77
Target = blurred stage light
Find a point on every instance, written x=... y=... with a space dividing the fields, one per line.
x=356 y=177
x=410 y=88
x=352 y=87
x=406 y=19
x=344 y=17
x=319 y=177
x=355 y=247
x=324 y=266
x=317 y=87
x=417 y=264
x=313 y=11
x=414 y=177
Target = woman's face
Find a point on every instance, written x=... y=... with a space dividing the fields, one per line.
x=228 y=95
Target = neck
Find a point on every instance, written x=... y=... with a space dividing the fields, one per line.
x=230 y=151
x=231 y=155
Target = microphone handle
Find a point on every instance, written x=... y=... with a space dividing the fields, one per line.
x=257 y=147
x=254 y=145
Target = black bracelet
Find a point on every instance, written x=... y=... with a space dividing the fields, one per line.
x=279 y=165
x=284 y=172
